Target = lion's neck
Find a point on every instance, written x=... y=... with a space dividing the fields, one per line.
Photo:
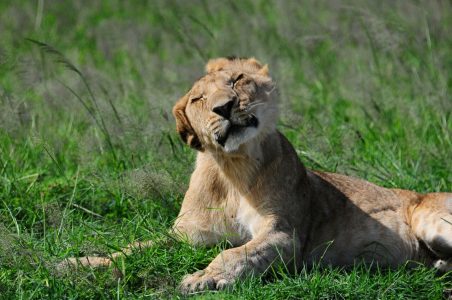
x=242 y=170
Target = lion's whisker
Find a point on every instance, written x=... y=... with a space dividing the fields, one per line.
x=254 y=105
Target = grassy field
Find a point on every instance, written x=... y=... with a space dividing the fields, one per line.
x=90 y=161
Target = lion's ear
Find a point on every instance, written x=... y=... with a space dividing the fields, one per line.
x=216 y=64
x=183 y=126
x=264 y=71
x=261 y=68
x=250 y=64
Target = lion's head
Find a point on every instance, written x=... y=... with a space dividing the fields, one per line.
x=231 y=105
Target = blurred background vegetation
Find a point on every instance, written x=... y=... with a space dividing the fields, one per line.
x=89 y=159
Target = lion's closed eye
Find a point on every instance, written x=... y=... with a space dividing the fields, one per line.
x=196 y=98
x=237 y=79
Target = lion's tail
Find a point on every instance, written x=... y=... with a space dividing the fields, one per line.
x=98 y=261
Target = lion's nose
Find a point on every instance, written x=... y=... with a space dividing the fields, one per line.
x=224 y=109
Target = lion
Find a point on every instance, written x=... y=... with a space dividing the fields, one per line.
x=270 y=207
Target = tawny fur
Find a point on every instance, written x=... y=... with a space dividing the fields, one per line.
x=254 y=192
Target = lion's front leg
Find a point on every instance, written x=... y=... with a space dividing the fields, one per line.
x=255 y=257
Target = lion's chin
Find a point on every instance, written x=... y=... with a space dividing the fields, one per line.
x=239 y=138
x=237 y=134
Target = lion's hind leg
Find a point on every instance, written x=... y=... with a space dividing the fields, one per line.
x=432 y=223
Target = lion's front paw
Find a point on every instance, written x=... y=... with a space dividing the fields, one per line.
x=204 y=280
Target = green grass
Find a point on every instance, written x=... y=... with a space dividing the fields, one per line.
x=90 y=161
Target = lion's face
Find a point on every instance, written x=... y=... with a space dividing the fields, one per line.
x=228 y=107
